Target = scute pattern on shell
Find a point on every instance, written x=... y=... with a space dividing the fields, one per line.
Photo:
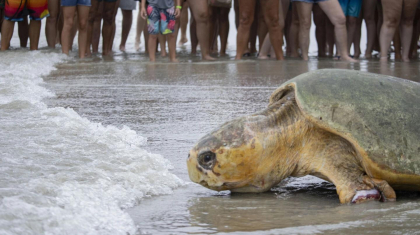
x=381 y=113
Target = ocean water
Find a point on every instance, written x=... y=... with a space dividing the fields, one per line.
x=60 y=172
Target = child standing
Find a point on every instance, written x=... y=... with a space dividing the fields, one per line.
x=161 y=16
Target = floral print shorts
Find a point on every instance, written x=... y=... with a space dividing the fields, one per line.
x=160 y=20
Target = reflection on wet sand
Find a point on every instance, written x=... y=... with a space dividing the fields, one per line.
x=301 y=207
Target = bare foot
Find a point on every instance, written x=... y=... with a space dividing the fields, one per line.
x=175 y=60
x=348 y=59
x=88 y=53
x=163 y=53
x=406 y=59
x=137 y=44
x=398 y=56
x=263 y=57
x=368 y=55
x=122 y=48
x=383 y=59
x=208 y=57
x=222 y=54
x=182 y=41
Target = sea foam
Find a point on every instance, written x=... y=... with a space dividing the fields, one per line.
x=61 y=173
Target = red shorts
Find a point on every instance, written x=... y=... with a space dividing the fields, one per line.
x=17 y=10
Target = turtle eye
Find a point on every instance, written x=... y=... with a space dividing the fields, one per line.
x=206 y=160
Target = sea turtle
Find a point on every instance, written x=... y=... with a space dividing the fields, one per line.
x=358 y=130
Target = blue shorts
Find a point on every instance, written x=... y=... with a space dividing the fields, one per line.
x=351 y=7
x=309 y=1
x=73 y=3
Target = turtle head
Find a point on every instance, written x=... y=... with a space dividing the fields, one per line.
x=230 y=158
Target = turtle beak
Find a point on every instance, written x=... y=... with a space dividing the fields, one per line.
x=194 y=172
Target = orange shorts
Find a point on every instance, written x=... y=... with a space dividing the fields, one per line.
x=17 y=10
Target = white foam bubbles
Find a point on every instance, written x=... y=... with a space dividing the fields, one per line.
x=61 y=173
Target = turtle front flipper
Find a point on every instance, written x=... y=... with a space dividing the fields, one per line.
x=332 y=158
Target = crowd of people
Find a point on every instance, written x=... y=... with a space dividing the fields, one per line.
x=277 y=24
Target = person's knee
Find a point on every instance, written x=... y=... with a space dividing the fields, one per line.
x=52 y=18
x=272 y=22
x=108 y=19
x=202 y=17
x=339 y=21
x=91 y=18
x=170 y=36
x=391 y=22
x=224 y=18
x=352 y=21
x=153 y=36
x=407 y=21
x=82 y=25
x=305 y=24
x=68 y=22
x=246 y=20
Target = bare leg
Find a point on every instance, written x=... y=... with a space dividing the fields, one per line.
x=294 y=32
x=330 y=37
x=224 y=29
x=68 y=14
x=184 y=23
x=34 y=32
x=96 y=37
x=114 y=27
x=51 y=25
x=304 y=12
x=91 y=19
x=83 y=15
x=397 y=44
x=409 y=11
x=6 y=34
x=23 y=31
x=193 y=36
x=172 y=47
x=392 y=13
x=246 y=14
x=126 y=26
x=139 y=29
x=162 y=42
x=273 y=15
x=199 y=9
x=369 y=9
x=107 y=30
x=262 y=29
x=213 y=15
x=287 y=27
x=60 y=25
x=333 y=10
x=74 y=30
x=357 y=37
x=252 y=45
x=351 y=31
x=320 y=30
x=415 y=38
x=152 y=47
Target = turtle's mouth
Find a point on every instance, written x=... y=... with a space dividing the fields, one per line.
x=233 y=186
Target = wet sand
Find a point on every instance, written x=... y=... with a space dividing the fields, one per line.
x=173 y=105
